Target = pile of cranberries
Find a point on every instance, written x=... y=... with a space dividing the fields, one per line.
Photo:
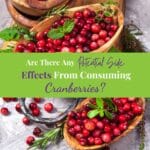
x=91 y=31
x=34 y=109
x=97 y=131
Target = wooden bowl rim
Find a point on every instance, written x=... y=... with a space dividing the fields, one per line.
x=74 y=143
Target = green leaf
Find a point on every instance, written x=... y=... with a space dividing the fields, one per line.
x=93 y=113
x=55 y=34
x=110 y=104
x=107 y=13
x=9 y=34
x=108 y=114
x=101 y=113
x=92 y=106
x=100 y=103
x=68 y=26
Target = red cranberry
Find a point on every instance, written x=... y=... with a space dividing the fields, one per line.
x=65 y=43
x=111 y=33
x=80 y=39
x=77 y=128
x=122 y=118
x=40 y=36
x=106 y=137
x=95 y=37
x=103 y=34
x=31 y=46
x=84 y=114
x=86 y=13
x=37 y=100
x=33 y=106
x=123 y=126
x=91 y=141
x=79 y=136
x=124 y=100
x=18 y=107
x=26 y=120
x=4 y=111
x=78 y=14
x=100 y=42
x=37 y=132
x=100 y=125
x=95 y=120
x=98 y=141
x=73 y=41
x=71 y=114
x=48 y=107
x=71 y=122
x=93 y=45
x=96 y=133
x=108 y=20
x=41 y=43
x=127 y=107
x=95 y=28
x=72 y=131
x=36 y=112
x=90 y=20
x=114 y=28
x=7 y=99
x=20 y=48
x=107 y=128
x=103 y=25
x=137 y=110
x=30 y=140
x=57 y=42
x=83 y=142
x=90 y=125
x=85 y=133
x=116 y=132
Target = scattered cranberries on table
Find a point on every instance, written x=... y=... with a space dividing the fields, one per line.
x=102 y=129
x=89 y=31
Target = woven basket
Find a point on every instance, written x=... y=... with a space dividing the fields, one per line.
x=96 y=7
x=76 y=146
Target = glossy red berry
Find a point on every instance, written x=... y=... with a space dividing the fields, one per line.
x=36 y=112
x=106 y=137
x=98 y=141
x=95 y=28
x=30 y=140
x=48 y=107
x=90 y=125
x=26 y=120
x=37 y=131
x=4 y=111
x=33 y=105
x=18 y=107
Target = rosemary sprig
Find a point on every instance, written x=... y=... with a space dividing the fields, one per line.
x=55 y=11
x=129 y=40
x=50 y=137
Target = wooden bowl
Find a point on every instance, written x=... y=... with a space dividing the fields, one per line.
x=96 y=7
x=25 y=8
x=76 y=146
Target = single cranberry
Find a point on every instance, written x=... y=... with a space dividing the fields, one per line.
x=31 y=46
x=37 y=100
x=36 y=112
x=51 y=50
x=48 y=107
x=79 y=136
x=111 y=33
x=108 y=20
x=78 y=14
x=134 y=104
x=26 y=120
x=124 y=100
x=30 y=140
x=73 y=41
x=4 y=111
x=87 y=27
x=65 y=43
x=116 y=132
x=20 y=48
x=127 y=107
x=65 y=49
x=103 y=25
x=84 y=114
x=90 y=125
x=80 y=39
x=72 y=131
x=120 y=110
x=71 y=114
x=40 y=36
x=96 y=133
x=57 y=42
x=137 y=110
x=106 y=137
x=98 y=141
x=108 y=27
x=95 y=120
x=107 y=39
x=83 y=142
x=95 y=37
x=123 y=126
x=114 y=28
x=71 y=122
x=86 y=13
x=103 y=34
x=7 y=99
x=100 y=124
x=85 y=133
x=90 y=21
x=37 y=132
x=100 y=42
x=77 y=128
x=41 y=43
x=90 y=141
x=33 y=106
x=67 y=37
x=122 y=118
x=95 y=28
x=49 y=45
x=117 y=101
x=107 y=128
x=18 y=107
x=93 y=45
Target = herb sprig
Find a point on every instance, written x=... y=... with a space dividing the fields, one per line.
x=103 y=107
x=62 y=30
x=50 y=137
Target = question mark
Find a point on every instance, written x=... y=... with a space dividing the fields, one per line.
x=103 y=85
